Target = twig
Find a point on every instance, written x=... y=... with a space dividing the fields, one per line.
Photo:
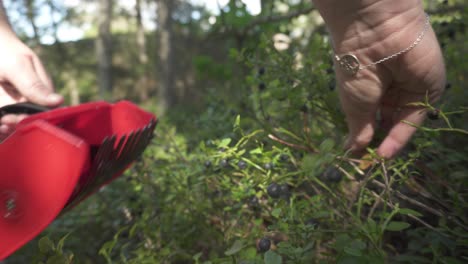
x=411 y=216
x=292 y=145
x=411 y=201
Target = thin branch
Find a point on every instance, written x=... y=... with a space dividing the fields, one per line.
x=278 y=18
x=292 y=145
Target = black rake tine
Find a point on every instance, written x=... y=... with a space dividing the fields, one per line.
x=130 y=146
x=101 y=162
x=121 y=145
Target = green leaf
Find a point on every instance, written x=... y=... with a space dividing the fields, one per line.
x=406 y=211
x=62 y=242
x=355 y=248
x=236 y=247
x=46 y=245
x=276 y=212
x=256 y=151
x=272 y=258
x=58 y=259
x=326 y=146
x=224 y=143
x=237 y=122
x=397 y=226
x=341 y=241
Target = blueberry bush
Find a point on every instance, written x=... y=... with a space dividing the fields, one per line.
x=259 y=175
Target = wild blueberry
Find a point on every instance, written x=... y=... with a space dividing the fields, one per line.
x=274 y=190
x=269 y=166
x=312 y=222
x=451 y=33
x=224 y=163
x=253 y=201
x=261 y=71
x=264 y=244
x=207 y=164
x=242 y=164
x=261 y=86
x=284 y=191
x=448 y=86
x=433 y=114
x=304 y=108
x=332 y=174
x=284 y=157
x=222 y=149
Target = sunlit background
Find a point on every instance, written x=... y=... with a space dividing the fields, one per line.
x=69 y=32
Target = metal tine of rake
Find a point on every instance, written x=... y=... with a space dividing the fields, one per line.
x=133 y=148
x=125 y=155
x=103 y=154
x=110 y=160
x=144 y=140
x=111 y=164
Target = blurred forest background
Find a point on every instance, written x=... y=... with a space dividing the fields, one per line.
x=247 y=163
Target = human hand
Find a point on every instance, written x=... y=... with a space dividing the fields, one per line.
x=372 y=30
x=22 y=78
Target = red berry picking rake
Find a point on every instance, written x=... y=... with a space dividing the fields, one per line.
x=57 y=158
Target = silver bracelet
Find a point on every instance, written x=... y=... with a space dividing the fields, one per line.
x=351 y=65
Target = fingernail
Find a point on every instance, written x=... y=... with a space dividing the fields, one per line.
x=54 y=98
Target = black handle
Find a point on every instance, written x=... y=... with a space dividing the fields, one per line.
x=22 y=108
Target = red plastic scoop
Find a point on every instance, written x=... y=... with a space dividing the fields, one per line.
x=55 y=159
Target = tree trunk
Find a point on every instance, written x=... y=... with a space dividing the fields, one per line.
x=104 y=48
x=166 y=91
x=143 y=85
x=31 y=14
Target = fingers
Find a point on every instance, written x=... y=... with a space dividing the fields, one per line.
x=359 y=100
x=31 y=80
x=361 y=131
x=5 y=130
x=12 y=120
x=401 y=133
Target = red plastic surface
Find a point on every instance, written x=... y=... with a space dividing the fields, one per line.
x=42 y=161
x=40 y=166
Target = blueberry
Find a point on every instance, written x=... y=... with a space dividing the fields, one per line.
x=261 y=71
x=274 y=190
x=261 y=86
x=312 y=222
x=332 y=174
x=242 y=164
x=207 y=164
x=433 y=114
x=332 y=85
x=283 y=157
x=448 y=86
x=284 y=191
x=451 y=33
x=268 y=166
x=222 y=150
x=224 y=163
x=304 y=108
x=264 y=244
x=253 y=201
